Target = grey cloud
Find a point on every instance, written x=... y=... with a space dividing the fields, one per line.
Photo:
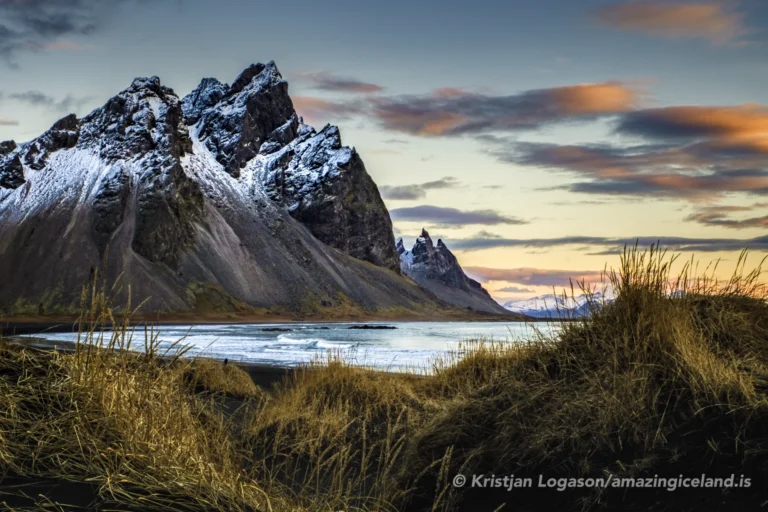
x=448 y=112
x=452 y=216
x=693 y=171
x=330 y=82
x=417 y=191
x=607 y=245
x=515 y=289
x=454 y=112
x=39 y=99
x=534 y=276
x=33 y=25
x=720 y=216
x=8 y=122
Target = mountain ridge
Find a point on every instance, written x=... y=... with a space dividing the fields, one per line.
x=558 y=306
x=436 y=268
x=221 y=199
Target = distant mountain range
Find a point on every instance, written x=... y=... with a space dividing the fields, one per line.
x=221 y=201
x=553 y=306
x=436 y=268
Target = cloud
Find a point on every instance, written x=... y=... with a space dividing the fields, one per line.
x=534 y=276
x=45 y=25
x=710 y=21
x=698 y=153
x=609 y=246
x=455 y=112
x=329 y=82
x=451 y=216
x=690 y=172
x=8 y=122
x=514 y=289
x=417 y=191
x=70 y=46
x=448 y=112
x=39 y=99
x=720 y=216
x=739 y=129
x=318 y=110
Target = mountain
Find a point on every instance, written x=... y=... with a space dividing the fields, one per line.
x=221 y=201
x=437 y=269
x=552 y=306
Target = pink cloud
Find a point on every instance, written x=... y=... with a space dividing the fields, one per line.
x=710 y=21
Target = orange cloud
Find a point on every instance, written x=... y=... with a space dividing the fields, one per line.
x=318 y=111
x=708 y=21
x=602 y=98
x=696 y=153
x=452 y=111
x=421 y=123
x=740 y=128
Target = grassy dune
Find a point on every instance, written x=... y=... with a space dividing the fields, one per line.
x=671 y=378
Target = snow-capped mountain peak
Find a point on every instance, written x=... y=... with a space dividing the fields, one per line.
x=557 y=306
x=193 y=189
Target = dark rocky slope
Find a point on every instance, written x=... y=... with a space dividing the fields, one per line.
x=222 y=199
x=437 y=269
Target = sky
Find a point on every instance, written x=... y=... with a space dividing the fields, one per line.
x=537 y=138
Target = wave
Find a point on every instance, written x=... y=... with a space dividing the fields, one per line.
x=284 y=341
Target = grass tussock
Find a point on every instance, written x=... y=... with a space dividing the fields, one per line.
x=125 y=425
x=670 y=377
x=206 y=375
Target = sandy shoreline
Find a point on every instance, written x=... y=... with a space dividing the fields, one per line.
x=263 y=374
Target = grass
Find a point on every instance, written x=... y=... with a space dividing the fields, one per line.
x=127 y=425
x=206 y=375
x=669 y=378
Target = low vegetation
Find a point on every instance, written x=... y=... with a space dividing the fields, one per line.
x=669 y=378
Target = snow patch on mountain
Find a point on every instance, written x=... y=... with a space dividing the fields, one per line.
x=227 y=186
x=557 y=306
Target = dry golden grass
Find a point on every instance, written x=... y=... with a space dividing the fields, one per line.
x=671 y=377
x=124 y=423
x=215 y=377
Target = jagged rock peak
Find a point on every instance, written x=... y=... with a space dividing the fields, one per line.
x=437 y=269
x=206 y=95
x=68 y=123
x=263 y=72
x=11 y=171
x=152 y=83
x=64 y=134
x=144 y=118
x=7 y=147
x=149 y=134
x=235 y=127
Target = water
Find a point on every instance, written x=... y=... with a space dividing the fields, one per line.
x=412 y=345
